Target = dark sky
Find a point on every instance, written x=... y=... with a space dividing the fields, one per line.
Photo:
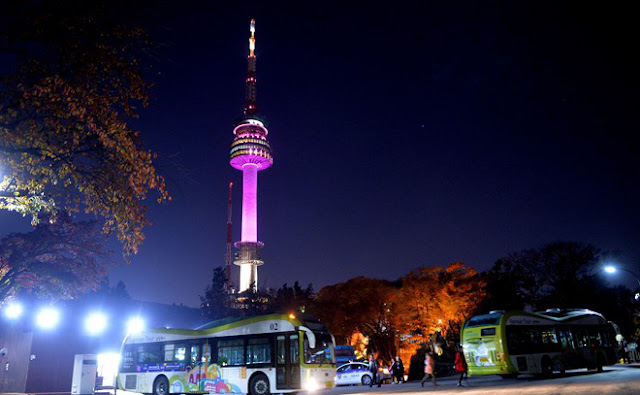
x=403 y=136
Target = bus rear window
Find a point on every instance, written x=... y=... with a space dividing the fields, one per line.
x=488 y=332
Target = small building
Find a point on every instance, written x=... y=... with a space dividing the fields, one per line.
x=36 y=360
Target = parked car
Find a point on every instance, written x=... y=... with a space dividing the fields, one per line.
x=355 y=373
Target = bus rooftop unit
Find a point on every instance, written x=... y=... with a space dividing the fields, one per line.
x=517 y=342
x=257 y=355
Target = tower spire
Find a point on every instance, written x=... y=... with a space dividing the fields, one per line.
x=250 y=153
x=251 y=107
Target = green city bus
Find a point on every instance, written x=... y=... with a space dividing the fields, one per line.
x=517 y=342
x=258 y=355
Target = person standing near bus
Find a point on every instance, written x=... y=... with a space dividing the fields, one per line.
x=460 y=365
x=373 y=368
x=429 y=368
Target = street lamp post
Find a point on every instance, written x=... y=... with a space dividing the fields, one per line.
x=612 y=269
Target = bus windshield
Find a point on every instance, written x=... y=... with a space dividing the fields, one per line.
x=484 y=320
x=322 y=353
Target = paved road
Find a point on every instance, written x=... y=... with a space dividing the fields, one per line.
x=618 y=380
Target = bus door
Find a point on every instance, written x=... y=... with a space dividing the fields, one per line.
x=196 y=370
x=288 y=361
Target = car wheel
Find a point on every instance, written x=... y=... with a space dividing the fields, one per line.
x=366 y=380
x=259 y=385
x=161 y=386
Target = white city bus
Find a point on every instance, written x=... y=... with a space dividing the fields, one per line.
x=257 y=355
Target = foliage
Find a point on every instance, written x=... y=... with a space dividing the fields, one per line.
x=59 y=260
x=360 y=305
x=217 y=300
x=117 y=291
x=559 y=274
x=65 y=140
x=292 y=298
x=434 y=303
x=438 y=300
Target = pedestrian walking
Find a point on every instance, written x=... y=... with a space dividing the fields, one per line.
x=461 y=366
x=429 y=368
x=397 y=370
x=373 y=368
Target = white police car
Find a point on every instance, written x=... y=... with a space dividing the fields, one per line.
x=358 y=373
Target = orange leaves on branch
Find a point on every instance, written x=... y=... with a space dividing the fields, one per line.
x=64 y=132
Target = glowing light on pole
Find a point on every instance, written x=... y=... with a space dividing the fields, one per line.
x=96 y=323
x=135 y=325
x=13 y=311
x=612 y=269
x=48 y=318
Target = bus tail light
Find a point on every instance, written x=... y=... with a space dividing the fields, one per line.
x=500 y=356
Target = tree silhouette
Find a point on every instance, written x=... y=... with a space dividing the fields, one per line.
x=65 y=140
x=217 y=301
x=57 y=260
x=557 y=275
x=360 y=305
x=292 y=298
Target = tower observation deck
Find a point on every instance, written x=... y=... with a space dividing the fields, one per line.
x=250 y=153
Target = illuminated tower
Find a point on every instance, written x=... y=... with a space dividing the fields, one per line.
x=250 y=153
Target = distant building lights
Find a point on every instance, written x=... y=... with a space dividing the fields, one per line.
x=96 y=323
x=48 y=318
x=13 y=311
x=135 y=325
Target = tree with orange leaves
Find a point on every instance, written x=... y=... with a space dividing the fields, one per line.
x=65 y=138
x=437 y=300
x=360 y=305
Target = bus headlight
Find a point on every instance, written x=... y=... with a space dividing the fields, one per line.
x=311 y=384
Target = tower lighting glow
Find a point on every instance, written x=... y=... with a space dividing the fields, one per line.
x=250 y=153
x=48 y=318
x=95 y=323
x=13 y=311
x=135 y=325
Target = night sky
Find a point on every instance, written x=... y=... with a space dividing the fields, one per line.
x=403 y=136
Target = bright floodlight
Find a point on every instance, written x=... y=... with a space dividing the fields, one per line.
x=13 y=311
x=95 y=323
x=610 y=269
x=135 y=325
x=48 y=318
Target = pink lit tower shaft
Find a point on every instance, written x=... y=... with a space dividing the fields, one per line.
x=250 y=153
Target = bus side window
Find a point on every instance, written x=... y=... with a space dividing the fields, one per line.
x=231 y=352
x=194 y=355
x=206 y=353
x=175 y=352
x=149 y=353
x=259 y=350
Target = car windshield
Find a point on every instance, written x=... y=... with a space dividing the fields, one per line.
x=322 y=353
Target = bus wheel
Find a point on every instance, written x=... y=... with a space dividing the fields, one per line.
x=599 y=363
x=366 y=380
x=161 y=386
x=259 y=385
x=508 y=376
x=559 y=367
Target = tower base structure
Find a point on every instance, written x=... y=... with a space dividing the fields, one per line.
x=248 y=258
